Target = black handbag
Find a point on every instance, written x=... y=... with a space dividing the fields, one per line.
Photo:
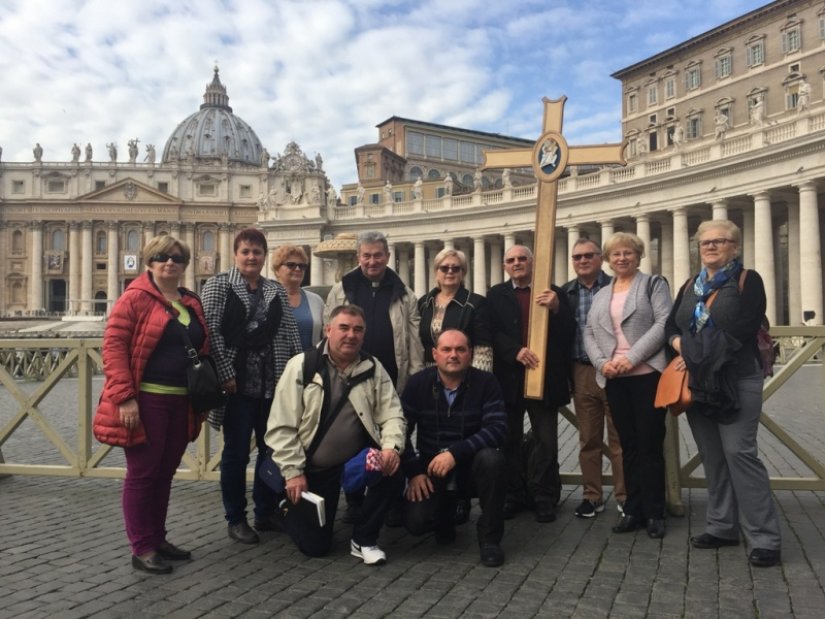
x=202 y=384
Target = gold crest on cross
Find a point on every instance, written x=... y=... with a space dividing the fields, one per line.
x=549 y=158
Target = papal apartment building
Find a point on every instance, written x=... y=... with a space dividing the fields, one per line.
x=730 y=123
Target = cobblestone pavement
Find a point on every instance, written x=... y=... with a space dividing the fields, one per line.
x=63 y=553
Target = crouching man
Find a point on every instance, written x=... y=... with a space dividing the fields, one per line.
x=459 y=415
x=347 y=404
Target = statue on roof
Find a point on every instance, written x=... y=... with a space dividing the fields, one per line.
x=150 y=153
x=133 y=150
x=88 y=152
x=38 y=152
x=75 y=153
x=112 y=147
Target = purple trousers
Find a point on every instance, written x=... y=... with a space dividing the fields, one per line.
x=150 y=468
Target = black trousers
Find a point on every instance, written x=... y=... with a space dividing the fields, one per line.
x=541 y=482
x=317 y=542
x=486 y=477
x=641 y=429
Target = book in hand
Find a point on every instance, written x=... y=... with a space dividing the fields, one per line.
x=311 y=506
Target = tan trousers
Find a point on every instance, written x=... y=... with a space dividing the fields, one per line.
x=592 y=411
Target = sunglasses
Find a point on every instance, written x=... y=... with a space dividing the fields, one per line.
x=585 y=256
x=513 y=259
x=295 y=265
x=449 y=268
x=176 y=258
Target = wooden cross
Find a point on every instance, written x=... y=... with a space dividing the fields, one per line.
x=549 y=158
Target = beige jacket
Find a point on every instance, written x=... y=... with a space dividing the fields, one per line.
x=296 y=412
x=409 y=352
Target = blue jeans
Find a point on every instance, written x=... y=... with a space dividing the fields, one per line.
x=242 y=417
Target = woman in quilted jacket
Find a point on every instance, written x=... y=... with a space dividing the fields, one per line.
x=144 y=405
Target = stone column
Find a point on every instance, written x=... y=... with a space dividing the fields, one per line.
x=112 y=264
x=496 y=259
x=509 y=240
x=36 y=288
x=148 y=233
x=479 y=266
x=404 y=265
x=86 y=272
x=794 y=259
x=430 y=253
x=720 y=209
x=393 y=254
x=449 y=244
x=667 y=256
x=74 y=267
x=420 y=286
x=681 y=247
x=573 y=234
x=810 y=254
x=643 y=232
x=316 y=270
x=747 y=237
x=189 y=273
x=226 y=241
x=560 y=260
x=764 y=258
x=607 y=230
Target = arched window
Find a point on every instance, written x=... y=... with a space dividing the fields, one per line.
x=59 y=240
x=100 y=243
x=433 y=175
x=132 y=240
x=416 y=173
x=208 y=241
x=100 y=302
x=467 y=180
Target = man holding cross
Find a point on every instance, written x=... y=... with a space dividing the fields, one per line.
x=509 y=304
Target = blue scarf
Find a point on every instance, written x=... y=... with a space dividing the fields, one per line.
x=703 y=288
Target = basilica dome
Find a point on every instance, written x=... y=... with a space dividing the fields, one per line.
x=214 y=133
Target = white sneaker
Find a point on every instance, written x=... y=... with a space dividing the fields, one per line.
x=371 y=555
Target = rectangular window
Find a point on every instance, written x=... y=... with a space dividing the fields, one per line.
x=791 y=40
x=433 y=146
x=246 y=191
x=671 y=112
x=163 y=187
x=652 y=93
x=670 y=87
x=449 y=149
x=374 y=198
x=632 y=147
x=100 y=266
x=652 y=119
x=56 y=186
x=791 y=100
x=398 y=196
x=18 y=187
x=694 y=128
x=353 y=200
x=755 y=53
x=723 y=66
x=632 y=103
x=415 y=143
x=822 y=26
x=693 y=78
x=207 y=189
x=468 y=152
x=99 y=185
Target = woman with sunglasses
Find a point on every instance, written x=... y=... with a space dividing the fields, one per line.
x=290 y=263
x=144 y=405
x=713 y=326
x=451 y=306
x=253 y=335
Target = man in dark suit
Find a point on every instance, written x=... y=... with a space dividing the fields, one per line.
x=509 y=305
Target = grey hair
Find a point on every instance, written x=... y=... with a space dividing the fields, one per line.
x=369 y=237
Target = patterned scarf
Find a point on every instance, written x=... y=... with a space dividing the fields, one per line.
x=703 y=288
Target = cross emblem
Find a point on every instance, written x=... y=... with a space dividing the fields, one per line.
x=549 y=158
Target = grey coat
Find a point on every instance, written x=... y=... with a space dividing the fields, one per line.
x=643 y=323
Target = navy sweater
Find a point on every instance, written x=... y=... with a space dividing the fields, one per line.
x=476 y=419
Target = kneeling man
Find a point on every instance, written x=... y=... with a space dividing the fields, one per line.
x=459 y=415
x=349 y=403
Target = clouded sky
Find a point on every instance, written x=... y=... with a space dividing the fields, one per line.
x=324 y=72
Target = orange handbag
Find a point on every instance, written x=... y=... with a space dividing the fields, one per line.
x=672 y=391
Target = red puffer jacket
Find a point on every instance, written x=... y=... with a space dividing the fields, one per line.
x=133 y=330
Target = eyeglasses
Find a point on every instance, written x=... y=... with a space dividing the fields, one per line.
x=301 y=266
x=714 y=243
x=449 y=268
x=585 y=256
x=513 y=259
x=176 y=258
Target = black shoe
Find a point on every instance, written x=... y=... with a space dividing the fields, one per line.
x=706 y=540
x=511 y=508
x=462 y=511
x=491 y=555
x=545 y=512
x=763 y=557
x=445 y=535
x=170 y=552
x=154 y=564
x=270 y=523
x=656 y=528
x=242 y=533
x=627 y=524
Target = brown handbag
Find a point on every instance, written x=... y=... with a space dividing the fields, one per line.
x=673 y=392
